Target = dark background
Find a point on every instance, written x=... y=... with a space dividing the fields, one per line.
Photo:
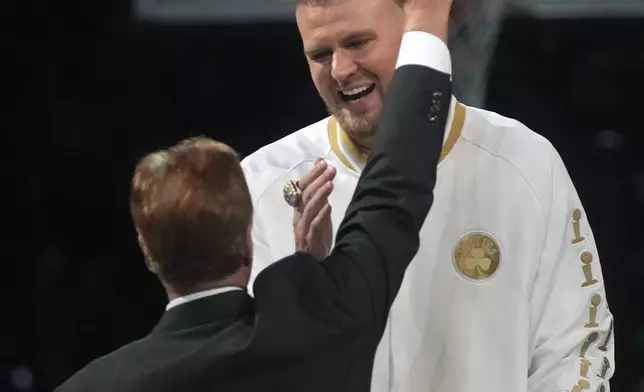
x=90 y=90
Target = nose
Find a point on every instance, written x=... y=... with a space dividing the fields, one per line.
x=342 y=66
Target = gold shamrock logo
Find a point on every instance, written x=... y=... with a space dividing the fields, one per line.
x=477 y=256
x=478 y=260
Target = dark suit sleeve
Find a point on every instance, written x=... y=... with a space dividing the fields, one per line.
x=76 y=383
x=379 y=235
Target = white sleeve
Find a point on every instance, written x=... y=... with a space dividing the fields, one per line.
x=571 y=323
x=262 y=256
x=421 y=48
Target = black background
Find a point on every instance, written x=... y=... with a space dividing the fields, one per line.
x=90 y=89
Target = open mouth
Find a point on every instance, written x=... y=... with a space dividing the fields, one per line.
x=355 y=93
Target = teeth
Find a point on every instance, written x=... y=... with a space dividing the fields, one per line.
x=355 y=90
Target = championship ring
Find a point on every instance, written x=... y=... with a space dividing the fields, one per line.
x=292 y=194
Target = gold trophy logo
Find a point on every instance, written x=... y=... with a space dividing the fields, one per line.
x=576 y=217
x=595 y=301
x=582 y=385
x=587 y=259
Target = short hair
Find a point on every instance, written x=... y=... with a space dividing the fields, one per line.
x=192 y=208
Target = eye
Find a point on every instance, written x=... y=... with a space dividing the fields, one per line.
x=320 y=56
x=357 y=44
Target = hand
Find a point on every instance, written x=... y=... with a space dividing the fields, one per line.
x=431 y=16
x=463 y=10
x=312 y=219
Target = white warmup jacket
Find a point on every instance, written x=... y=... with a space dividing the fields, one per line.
x=506 y=292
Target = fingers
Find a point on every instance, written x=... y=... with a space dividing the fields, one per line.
x=430 y=16
x=321 y=221
x=311 y=190
x=320 y=166
x=313 y=208
x=316 y=187
x=320 y=234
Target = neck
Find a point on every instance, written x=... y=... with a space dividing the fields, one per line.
x=351 y=150
x=363 y=144
x=238 y=279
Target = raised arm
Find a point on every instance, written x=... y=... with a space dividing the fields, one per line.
x=379 y=235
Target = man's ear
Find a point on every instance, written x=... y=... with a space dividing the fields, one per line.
x=249 y=258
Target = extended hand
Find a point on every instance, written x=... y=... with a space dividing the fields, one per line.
x=312 y=224
x=430 y=16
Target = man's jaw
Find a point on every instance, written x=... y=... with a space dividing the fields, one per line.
x=360 y=128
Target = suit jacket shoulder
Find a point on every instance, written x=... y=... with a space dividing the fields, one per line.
x=94 y=374
x=513 y=144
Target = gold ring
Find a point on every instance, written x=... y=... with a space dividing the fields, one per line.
x=292 y=194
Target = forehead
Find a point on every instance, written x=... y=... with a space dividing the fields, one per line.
x=331 y=20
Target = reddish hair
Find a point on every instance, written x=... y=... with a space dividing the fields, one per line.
x=192 y=208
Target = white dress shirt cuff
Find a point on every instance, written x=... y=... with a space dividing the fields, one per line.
x=421 y=48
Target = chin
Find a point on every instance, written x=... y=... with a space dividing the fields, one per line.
x=358 y=127
x=363 y=123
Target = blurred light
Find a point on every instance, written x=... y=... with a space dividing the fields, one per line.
x=583 y=8
x=196 y=11
x=22 y=378
x=609 y=140
x=199 y=11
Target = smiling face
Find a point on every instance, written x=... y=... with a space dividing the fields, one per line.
x=352 y=47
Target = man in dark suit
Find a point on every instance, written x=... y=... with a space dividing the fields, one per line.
x=313 y=325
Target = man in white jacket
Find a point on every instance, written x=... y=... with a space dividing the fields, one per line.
x=506 y=293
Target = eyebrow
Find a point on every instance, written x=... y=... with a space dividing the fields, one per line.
x=357 y=35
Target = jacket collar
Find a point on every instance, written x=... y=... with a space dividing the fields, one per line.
x=353 y=156
x=227 y=306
